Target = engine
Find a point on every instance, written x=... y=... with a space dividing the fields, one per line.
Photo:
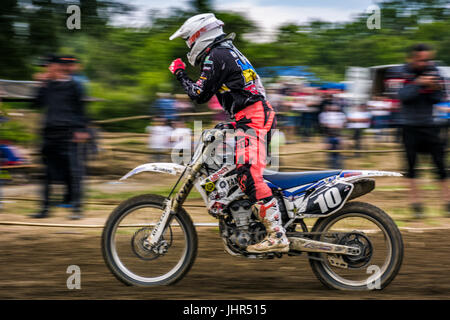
x=225 y=200
x=240 y=228
x=241 y=211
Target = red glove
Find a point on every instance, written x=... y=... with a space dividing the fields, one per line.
x=176 y=65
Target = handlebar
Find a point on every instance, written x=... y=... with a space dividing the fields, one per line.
x=211 y=135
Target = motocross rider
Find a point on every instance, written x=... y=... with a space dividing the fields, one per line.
x=226 y=73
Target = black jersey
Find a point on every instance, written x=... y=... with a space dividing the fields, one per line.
x=227 y=73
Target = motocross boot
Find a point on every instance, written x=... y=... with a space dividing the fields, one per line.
x=276 y=240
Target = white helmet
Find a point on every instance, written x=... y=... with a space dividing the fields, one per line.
x=199 y=31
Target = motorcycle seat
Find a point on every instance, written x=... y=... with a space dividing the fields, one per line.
x=286 y=180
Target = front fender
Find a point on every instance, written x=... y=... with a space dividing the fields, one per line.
x=161 y=167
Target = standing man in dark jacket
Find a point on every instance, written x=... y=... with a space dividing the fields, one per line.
x=422 y=88
x=64 y=130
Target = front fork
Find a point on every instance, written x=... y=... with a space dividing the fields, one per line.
x=172 y=205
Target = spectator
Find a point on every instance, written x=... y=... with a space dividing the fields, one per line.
x=298 y=109
x=422 y=89
x=274 y=96
x=333 y=121
x=309 y=113
x=10 y=155
x=165 y=106
x=358 y=120
x=314 y=101
x=282 y=106
x=64 y=132
x=74 y=68
x=48 y=68
x=325 y=100
x=183 y=103
x=380 y=110
x=159 y=139
x=181 y=143
x=291 y=115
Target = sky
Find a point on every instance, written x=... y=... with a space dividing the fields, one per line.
x=268 y=14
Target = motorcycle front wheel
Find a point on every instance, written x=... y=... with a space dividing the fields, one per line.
x=130 y=257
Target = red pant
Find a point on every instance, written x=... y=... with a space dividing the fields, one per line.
x=253 y=125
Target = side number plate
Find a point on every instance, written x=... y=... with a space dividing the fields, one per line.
x=328 y=199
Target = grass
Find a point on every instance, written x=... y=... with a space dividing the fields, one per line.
x=399 y=215
x=431 y=222
x=400 y=223
x=22 y=208
x=429 y=187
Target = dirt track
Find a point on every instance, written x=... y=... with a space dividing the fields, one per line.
x=33 y=264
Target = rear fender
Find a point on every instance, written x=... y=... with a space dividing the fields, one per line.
x=161 y=167
x=362 y=187
x=361 y=182
x=353 y=175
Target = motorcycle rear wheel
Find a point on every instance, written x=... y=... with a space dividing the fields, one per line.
x=377 y=277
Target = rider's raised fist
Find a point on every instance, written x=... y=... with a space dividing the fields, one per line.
x=176 y=65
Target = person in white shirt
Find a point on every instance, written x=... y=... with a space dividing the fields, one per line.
x=358 y=119
x=159 y=139
x=181 y=143
x=380 y=111
x=333 y=120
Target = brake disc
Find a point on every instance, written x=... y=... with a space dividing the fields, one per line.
x=142 y=248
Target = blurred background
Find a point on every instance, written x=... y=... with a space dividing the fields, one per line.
x=324 y=70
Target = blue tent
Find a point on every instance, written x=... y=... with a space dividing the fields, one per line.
x=296 y=71
x=299 y=71
x=333 y=85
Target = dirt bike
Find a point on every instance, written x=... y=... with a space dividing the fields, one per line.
x=150 y=240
